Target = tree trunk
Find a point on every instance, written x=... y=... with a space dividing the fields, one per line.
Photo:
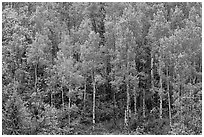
x=128 y=100
x=160 y=98
x=169 y=99
x=136 y=87
x=84 y=96
x=125 y=119
x=94 y=97
x=152 y=75
x=194 y=80
x=181 y=105
x=160 y=92
x=127 y=85
x=36 y=77
x=115 y=106
x=117 y=90
x=135 y=101
x=143 y=103
x=62 y=99
x=50 y=98
x=69 y=106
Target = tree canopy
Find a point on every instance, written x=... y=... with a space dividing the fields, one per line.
x=101 y=68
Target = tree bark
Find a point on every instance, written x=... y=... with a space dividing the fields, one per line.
x=69 y=106
x=160 y=96
x=169 y=99
x=160 y=83
x=125 y=118
x=50 y=98
x=84 y=96
x=62 y=99
x=135 y=101
x=94 y=97
x=181 y=106
x=117 y=89
x=152 y=75
x=36 y=77
x=127 y=84
x=115 y=105
x=143 y=103
x=128 y=100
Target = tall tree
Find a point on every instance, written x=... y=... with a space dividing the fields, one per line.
x=159 y=28
x=91 y=55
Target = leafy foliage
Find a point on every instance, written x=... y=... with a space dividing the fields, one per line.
x=101 y=68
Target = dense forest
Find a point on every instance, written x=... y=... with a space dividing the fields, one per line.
x=101 y=68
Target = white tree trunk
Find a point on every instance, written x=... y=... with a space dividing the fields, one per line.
x=161 y=88
x=160 y=99
x=84 y=96
x=94 y=97
x=169 y=99
x=128 y=100
x=62 y=98
x=36 y=77
x=152 y=74
x=69 y=106
x=143 y=103
x=135 y=101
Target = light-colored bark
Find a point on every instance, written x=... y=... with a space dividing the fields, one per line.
x=84 y=96
x=152 y=75
x=135 y=101
x=127 y=85
x=94 y=98
x=51 y=98
x=160 y=97
x=128 y=100
x=62 y=99
x=169 y=100
x=181 y=104
x=125 y=119
x=115 y=105
x=36 y=77
x=161 y=88
x=143 y=104
x=69 y=106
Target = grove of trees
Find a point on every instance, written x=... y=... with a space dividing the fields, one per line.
x=101 y=68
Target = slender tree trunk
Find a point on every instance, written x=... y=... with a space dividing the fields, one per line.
x=181 y=104
x=127 y=86
x=125 y=119
x=62 y=99
x=36 y=77
x=115 y=105
x=160 y=93
x=11 y=5
x=51 y=98
x=194 y=80
x=84 y=100
x=169 y=98
x=135 y=101
x=136 y=87
x=181 y=110
x=128 y=100
x=152 y=74
x=69 y=106
x=84 y=96
x=160 y=98
x=94 y=97
x=117 y=89
x=143 y=103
